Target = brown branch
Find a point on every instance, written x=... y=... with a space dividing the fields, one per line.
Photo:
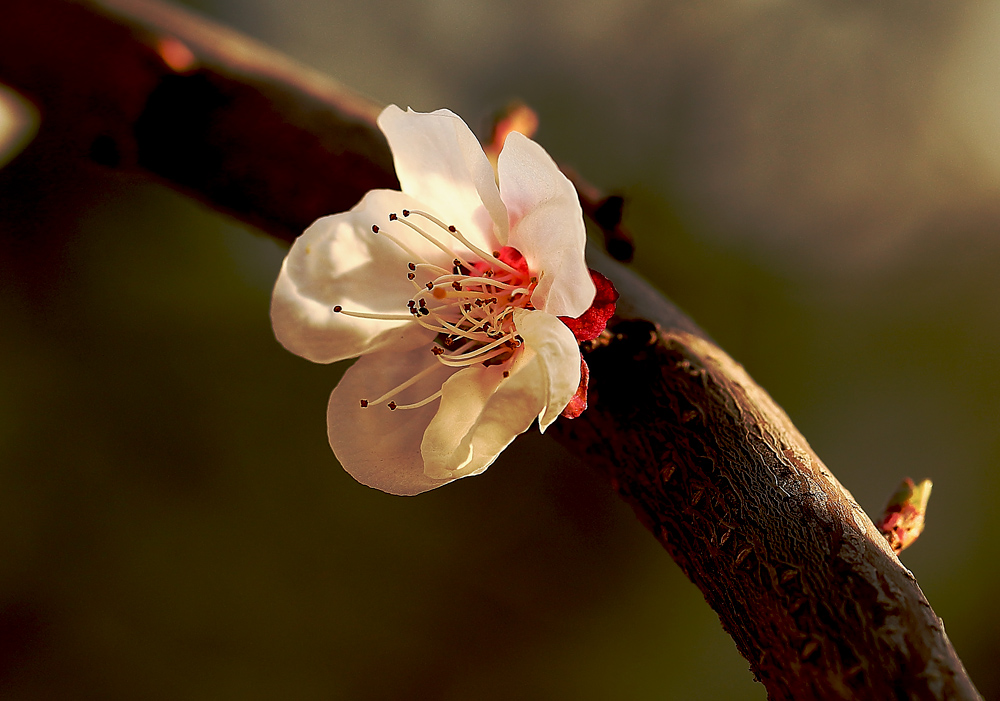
x=800 y=577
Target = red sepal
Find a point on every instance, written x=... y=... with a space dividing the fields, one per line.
x=589 y=325
x=578 y=403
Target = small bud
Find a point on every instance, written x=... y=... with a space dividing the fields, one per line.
x=902 y=519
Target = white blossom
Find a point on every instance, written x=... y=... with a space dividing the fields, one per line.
x=450 y=291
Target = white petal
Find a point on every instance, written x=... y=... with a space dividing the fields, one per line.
x=440 y=162
x=558 y=354
x=546 y=226
x=379 y=447
x=340 y=261
x=481 y=412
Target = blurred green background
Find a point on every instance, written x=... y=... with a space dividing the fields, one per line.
x=816 y=184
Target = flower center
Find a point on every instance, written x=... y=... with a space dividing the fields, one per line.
x=470 y=307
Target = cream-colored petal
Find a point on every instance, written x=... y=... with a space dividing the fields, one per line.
x=481 y=412
x=340 y=261
x=546 y=226
x=558 y=354
x=377 y=446
x=440 y=162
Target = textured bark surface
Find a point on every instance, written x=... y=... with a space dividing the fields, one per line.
x=798 y=574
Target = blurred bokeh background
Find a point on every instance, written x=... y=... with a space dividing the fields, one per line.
x=816 y=183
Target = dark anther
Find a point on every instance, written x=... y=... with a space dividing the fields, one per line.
x=423 y=303
x=506 y=373
x=457 y=285
x=437 y=350
x=430 y=285
x=410 y=276
x=496 y=254
x=392 y=406
x=364 y=403
x=374 y=228
x=425 y=311
x=406 y=212
x=411 y=266
x=411 y=304
x=452 y=229
x=338 y=309
x=393 y=217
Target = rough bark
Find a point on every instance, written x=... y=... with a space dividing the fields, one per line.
x=800 y=577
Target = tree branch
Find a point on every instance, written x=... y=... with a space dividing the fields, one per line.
x=800 y=577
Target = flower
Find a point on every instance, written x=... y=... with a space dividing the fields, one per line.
x=451 y=291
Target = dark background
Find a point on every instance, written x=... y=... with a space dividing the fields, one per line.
x=816 y=184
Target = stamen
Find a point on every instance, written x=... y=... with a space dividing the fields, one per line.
x=479 y=351
x=481 y=358
x=372 y=315
x=406 y=249
x=405 y=385
x=431 y=239
x=422 y=402
x=458 y=235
